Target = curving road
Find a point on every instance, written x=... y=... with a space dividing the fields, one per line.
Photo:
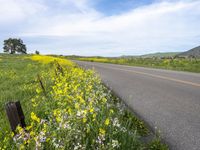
x=168 y=100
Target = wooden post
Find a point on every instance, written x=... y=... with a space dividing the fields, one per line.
x=41 y=84
x=60 y=69
x=15 y=115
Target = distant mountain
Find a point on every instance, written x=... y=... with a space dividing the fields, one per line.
x=195 y=52
x=168 y=54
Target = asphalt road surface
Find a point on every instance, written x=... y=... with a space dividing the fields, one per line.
x=166 y=100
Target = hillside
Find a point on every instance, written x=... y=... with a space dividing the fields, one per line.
x=168 y=54
x=195 y=52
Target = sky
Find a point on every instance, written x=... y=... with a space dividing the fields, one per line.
x=102 y=27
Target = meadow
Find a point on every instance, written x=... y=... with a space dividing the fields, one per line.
x=66 y=107
x=180 y=64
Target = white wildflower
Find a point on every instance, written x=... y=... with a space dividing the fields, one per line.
x=115 y=144
x=116 y=122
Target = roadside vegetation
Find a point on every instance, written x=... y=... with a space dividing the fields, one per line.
x=72 y=109
x=181 y=64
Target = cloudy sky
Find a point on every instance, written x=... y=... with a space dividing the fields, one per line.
x=102 y=27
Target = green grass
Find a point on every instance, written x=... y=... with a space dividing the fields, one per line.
x=16 y=74
x=51 y=115
x=180 y=64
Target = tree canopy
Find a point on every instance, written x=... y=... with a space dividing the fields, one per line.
x=37 y=52
x=14 y=45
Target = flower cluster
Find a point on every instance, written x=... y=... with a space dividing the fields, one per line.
x=76 y=112
x=50 y=59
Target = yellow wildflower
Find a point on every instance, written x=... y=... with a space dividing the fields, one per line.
x=111 y=111
x=34 y=117
x=32 y=133
x=104 y=100
x=85 y=111
x=50 y=59
x=92 y=110
x=70 y=111
x=12 y=134
x=84 y=120
x=77 y=106
x=21 y=147
x=58 y=119
x=94 y=117
x=20 y=129
x=107 y=122
x=102 y=131
x=28 y=127
x=56 y=112
x=82 y=101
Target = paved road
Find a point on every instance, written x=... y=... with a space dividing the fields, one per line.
x=168 y=100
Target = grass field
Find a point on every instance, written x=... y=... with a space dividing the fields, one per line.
x=71 y=109
x=181 y=64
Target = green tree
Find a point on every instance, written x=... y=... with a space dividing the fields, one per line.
x=37 y=52
x=13 y=45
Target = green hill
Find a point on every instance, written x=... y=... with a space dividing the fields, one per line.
x=195 y=52
x=168 y=54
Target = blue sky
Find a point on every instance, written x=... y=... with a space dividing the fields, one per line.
x=113 y=7
x=102 y=27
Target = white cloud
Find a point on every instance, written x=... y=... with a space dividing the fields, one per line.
x=162 y=26
x=16 y=10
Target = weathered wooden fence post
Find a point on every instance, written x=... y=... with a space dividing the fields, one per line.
x=15 y=115
x=60 y=69
x=41 y=84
